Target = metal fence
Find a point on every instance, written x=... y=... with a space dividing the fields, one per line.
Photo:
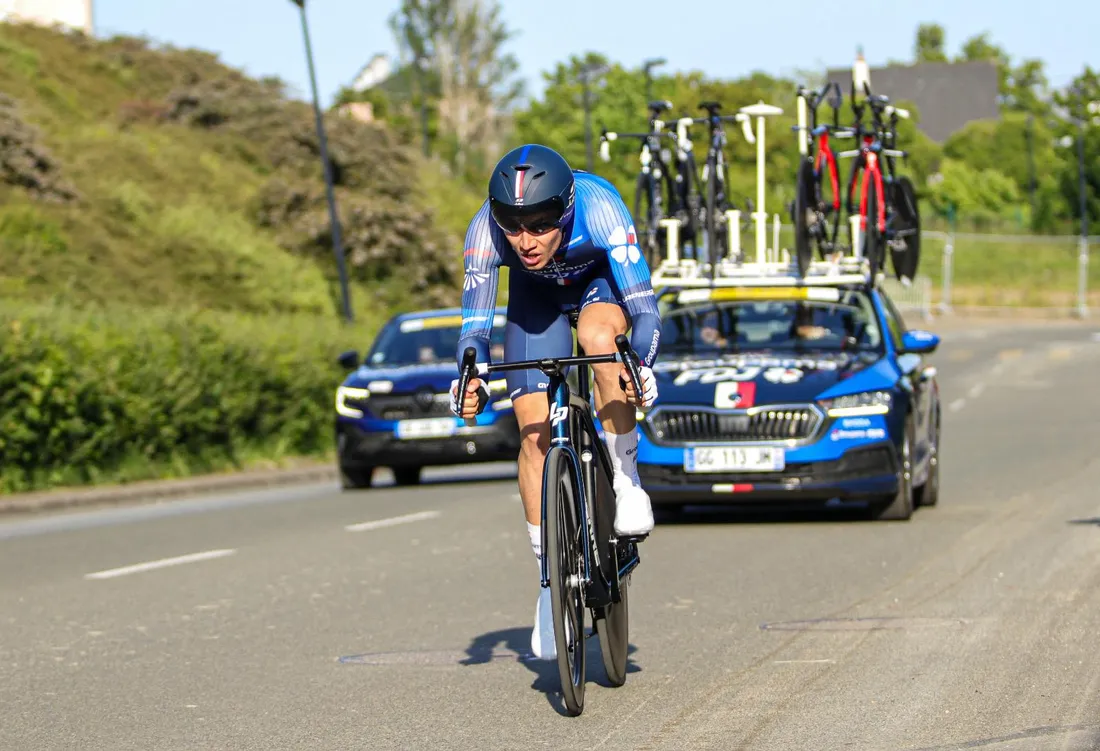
x=975 y=270
x=978 y=271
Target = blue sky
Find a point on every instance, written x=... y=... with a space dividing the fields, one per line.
x=724 y=39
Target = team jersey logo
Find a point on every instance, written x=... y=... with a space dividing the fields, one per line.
x=624 y=245
x=474 y=279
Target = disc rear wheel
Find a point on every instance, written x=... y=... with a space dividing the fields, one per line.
x=906 y=222
x=614 y=631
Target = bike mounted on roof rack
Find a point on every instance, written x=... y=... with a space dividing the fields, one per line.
x=768 y=266
x=886 y=216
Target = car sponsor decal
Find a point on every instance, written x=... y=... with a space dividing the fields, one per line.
x=758 y=361
x=735 y=394
x=717 y=375
x=783 y=375
x=839 y=434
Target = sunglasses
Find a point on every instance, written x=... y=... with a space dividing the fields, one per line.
x=536 y=220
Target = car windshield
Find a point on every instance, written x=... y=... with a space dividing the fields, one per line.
x=783 y=321
x=426 y=341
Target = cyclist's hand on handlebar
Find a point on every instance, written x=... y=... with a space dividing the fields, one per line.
x=649 y=387
x=476 y=397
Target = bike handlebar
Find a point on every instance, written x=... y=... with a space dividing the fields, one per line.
x=467 y=370
x=608 y=136
x=549 y=365
x=630 y=360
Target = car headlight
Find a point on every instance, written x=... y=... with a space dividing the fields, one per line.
x=855 y=405
x=344 y=394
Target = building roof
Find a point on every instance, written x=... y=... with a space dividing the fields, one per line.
x=947 y=95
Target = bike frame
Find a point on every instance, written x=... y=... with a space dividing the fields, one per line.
x=573 y=431
x=867 y=166
x=819 y=140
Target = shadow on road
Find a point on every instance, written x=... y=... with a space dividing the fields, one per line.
x=487 y=648
x=1095 y=521
x=717 y=514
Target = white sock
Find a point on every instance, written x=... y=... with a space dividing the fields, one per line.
x=534 y=531
x=624 y=457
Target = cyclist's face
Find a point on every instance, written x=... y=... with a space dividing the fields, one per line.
x=535 y=251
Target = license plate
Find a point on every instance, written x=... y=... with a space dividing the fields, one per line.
x=436 y=427
x=734 y=459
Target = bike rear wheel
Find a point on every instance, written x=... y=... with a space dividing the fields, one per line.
x=613 y=627
x=804 y=208
x=713 y=251
x=647 y=217
x=873 y=249
x=564 y=550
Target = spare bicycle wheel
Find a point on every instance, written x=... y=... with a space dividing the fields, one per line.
x=906 y=229
x=803 y=211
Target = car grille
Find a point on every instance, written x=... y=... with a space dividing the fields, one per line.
x=671 y=426
x=408 y=406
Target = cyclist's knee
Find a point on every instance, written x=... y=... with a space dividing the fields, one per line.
x=532 y=413
x=534 y=440
x=598 y=337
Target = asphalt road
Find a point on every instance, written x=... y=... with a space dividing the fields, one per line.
x=400 y=617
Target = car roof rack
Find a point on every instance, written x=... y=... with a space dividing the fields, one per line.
x=767 y=266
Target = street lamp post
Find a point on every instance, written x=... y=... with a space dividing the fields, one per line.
x=1031 y=179
x=649 y=66
x=334 y=219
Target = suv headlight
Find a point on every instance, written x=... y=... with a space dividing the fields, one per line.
x=856 y=405
x=345 y=394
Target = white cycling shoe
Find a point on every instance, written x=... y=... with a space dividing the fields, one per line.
x=633 y=511
x=542 y=635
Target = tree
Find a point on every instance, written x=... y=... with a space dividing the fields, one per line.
x=1022 y=88
x=454 y=50
x=929 y=47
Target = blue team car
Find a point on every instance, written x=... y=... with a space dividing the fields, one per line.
x=803 y=395
x=393 y=409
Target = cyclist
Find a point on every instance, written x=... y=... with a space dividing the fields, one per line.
x=569 y=244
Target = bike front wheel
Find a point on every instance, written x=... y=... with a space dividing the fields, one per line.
x=565 y=556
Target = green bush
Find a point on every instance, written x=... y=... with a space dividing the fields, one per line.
x=116 y=395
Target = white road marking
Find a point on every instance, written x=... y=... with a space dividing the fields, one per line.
x=976 y=390
x=162 y=563
x=392 y=521
x=956 y=405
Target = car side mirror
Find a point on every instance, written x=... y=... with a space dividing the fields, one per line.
x=919 y=342
x=349 y=360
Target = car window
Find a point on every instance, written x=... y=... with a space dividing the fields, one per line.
x=844 y=323
x=427 y=341
x=894 y=322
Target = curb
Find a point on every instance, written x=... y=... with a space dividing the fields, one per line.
x=147 y=490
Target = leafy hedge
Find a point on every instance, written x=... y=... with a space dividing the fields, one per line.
x=121 y=395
